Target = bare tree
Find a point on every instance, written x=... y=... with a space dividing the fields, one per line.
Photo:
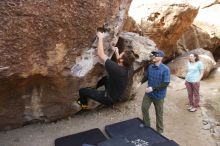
x=214 y=3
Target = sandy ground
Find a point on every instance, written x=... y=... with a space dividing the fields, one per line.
x=180 y=125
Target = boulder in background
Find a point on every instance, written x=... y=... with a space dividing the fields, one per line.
x=178 y=66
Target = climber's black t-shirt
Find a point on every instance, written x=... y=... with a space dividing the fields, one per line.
x=117 y=79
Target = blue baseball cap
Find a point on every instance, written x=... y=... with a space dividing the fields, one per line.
x=158 y=53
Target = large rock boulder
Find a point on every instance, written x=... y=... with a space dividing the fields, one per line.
x=178 y=66
x=131 y=26
x=210 y=25
x=215 y=74
x=196 y=37
x=165 y=24
x=48 y=53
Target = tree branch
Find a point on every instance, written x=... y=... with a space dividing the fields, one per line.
x=214 y=3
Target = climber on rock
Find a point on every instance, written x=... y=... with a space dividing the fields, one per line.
x=117 y=80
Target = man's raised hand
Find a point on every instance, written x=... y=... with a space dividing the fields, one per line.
x=100 y=35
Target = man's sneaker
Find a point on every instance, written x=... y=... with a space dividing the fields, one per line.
x=190 y=107
x=193 y=109
x=83 y=106
x=78 y=102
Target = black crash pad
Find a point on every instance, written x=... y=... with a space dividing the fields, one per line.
x=167 y=143
x=134 y=131
x=118 y=141
x=87 y=145
x=91 y=137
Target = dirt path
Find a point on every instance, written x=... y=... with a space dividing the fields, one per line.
x=180 y=125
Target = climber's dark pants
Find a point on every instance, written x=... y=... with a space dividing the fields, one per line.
x=94 y=94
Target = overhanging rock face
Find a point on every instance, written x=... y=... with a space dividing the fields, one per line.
x=167 y=24
x=48 y=53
